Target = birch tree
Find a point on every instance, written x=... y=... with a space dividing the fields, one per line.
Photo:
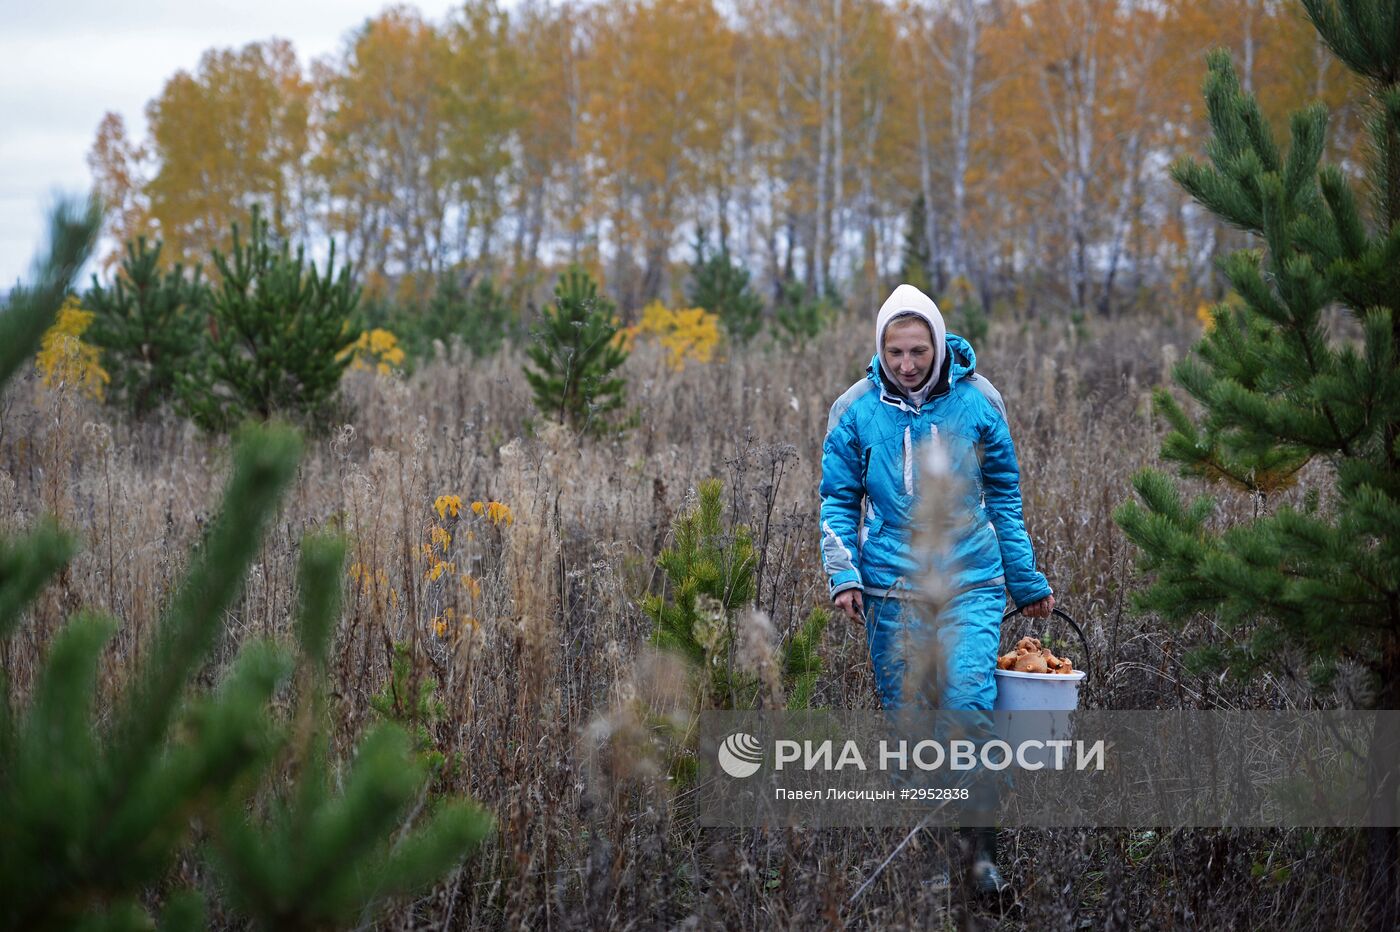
x=230 y=136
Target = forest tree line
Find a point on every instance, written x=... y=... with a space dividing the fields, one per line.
x=1009 y=150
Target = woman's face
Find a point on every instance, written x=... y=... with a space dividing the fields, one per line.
x=908 y=352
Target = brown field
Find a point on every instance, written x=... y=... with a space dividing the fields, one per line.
x=548 y=690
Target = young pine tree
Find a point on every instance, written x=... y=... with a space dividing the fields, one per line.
x=721 y=286
x=280 y=332
x=800 y=315
x=148 y=326
x=480 y=316
x=575 y=354
x=1277 y=389
x=408 y=700
x=98 y=804
x=329 y=850
x=31 y=309
x=710 y=572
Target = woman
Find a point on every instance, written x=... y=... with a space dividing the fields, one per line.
x=921 y=384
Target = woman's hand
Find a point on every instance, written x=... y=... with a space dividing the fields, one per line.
x=852 y=604
x=1039 y=609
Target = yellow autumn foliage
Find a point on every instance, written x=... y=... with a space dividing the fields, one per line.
x=447 y=504
x=64 y=359
x=449 y=623
x=689 y=334
x=495 y=512
x=376 y=350
x=438 y=569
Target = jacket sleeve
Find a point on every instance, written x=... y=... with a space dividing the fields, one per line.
x=1001 y=487
x=842 y=493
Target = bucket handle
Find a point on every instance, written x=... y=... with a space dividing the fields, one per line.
x=1088 y=666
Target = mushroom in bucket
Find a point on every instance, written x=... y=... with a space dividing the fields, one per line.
x=1031 y=657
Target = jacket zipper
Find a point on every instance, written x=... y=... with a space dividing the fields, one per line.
x=908 y=463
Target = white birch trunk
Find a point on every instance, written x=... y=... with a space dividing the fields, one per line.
x=1085 y=75
x=867 y=195
x=838 y=142
x=817 y=260
x=964 y=78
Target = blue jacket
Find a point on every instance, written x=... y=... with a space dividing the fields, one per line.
x=870 y=472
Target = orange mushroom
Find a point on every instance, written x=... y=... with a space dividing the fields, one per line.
x=1030 y=657
x=1031 y=663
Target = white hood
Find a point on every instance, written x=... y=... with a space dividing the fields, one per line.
x=903 y=300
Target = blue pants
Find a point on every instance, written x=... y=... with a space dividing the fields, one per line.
x=954 y=663
x=950 y=659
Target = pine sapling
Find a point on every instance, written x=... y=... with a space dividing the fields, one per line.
x=710 y=573
x=280 y=334
x=95 y=813
x=575 y=355
x=97 y=806
x=148 y=325
x=720 y=285
x=479 y=315
x=801 y=315
x=31 y=309
x=333 y=848
x=1316 y=581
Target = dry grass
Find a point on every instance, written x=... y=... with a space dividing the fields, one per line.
x=556 y=711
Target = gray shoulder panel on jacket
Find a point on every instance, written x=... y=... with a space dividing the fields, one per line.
x=848 y=397
x=988 y=391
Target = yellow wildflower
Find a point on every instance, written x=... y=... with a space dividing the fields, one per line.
x=688 y=333
x=440 y=567
x=695 y=335
x=441 y=623
x=376 y=350
x=65 y=359
x=495 y=512
x=447 y=504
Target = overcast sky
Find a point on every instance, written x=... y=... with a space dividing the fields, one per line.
x=64 y=63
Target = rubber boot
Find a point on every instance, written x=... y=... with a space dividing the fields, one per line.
x=986 y=877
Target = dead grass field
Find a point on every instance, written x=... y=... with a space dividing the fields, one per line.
x=543 y=667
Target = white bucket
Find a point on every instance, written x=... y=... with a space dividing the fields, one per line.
x=1045 y=701
x=1037 y=691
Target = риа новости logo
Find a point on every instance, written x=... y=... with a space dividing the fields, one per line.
x=740 y=755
